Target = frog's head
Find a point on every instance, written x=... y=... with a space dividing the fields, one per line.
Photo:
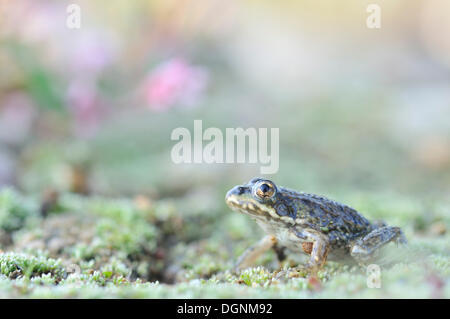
x=259 y=198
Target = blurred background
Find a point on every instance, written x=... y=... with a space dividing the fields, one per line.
x=91 y=110
x=86 y=116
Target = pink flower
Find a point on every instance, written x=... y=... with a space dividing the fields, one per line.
x=90 y=52
x=174 y=82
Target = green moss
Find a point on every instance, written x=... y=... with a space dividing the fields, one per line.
x=16 y=265
x=255 y=276
x=127 y=237
x=14 y=210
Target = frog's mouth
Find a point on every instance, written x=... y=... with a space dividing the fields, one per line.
x=249 y=206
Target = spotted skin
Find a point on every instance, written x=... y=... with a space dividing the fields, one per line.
x=309 y=223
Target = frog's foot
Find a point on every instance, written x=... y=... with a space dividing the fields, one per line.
x=249 y=256
x=365 y=248
x=317 y=246
x=294 y=272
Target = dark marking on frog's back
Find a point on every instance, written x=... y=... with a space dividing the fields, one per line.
x=339 y=221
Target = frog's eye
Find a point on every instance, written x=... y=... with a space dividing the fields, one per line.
x=264 y=190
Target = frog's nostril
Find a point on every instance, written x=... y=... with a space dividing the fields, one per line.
x=237 y=190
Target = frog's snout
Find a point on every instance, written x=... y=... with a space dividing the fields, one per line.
x=236 y=191
x=233 y=195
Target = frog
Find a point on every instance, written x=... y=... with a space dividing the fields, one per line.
x=300 y=222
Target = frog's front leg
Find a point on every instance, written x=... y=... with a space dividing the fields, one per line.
x=364 y=248
x=316 y=245
x=249 y=256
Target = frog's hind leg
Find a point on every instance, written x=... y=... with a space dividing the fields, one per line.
x=249 y=256
x=364 y=248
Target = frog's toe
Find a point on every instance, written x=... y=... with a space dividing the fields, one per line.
x=312 y=269
x=299 y=271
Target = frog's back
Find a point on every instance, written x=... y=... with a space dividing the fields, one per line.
x=340 y=222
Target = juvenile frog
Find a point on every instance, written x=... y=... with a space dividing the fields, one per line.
x=298 y=221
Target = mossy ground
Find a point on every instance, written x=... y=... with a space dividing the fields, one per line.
x=92 y=247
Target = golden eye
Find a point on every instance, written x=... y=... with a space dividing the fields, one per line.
x=265 y=190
